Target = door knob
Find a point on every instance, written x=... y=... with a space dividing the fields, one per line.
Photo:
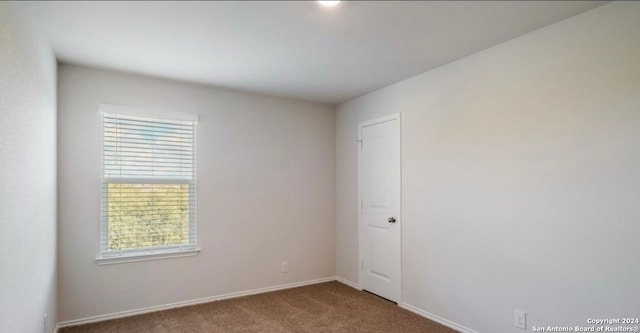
x=391 y=220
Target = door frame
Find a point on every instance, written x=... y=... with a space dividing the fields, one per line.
x=361 y=125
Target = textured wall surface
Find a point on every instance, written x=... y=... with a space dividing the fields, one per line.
x=520 y=177
x=27 y=175
x=266 y=189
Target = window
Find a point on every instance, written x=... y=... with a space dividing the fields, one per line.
x=148 y=184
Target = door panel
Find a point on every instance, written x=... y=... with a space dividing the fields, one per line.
x=380 y=196
x=379 y=239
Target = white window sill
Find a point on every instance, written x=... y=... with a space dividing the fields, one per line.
x=126 y=258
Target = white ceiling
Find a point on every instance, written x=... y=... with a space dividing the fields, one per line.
x=294 y=49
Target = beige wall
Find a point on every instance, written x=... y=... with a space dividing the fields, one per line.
x=520 y=175
x=266 y=189
x=27 y=174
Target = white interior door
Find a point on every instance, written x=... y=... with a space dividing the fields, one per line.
x=380 y=207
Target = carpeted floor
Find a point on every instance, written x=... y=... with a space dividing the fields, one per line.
x=320 y=308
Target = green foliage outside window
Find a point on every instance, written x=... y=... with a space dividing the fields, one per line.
x=147 y=215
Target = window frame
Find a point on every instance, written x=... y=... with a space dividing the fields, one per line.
x=106 y=256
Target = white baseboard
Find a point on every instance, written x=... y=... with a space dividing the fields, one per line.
x=140 y=311
x=436 y=318
x=348 y=283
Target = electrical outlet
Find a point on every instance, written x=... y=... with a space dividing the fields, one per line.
x=45 y=323
x=284 y=267
x=520 y=319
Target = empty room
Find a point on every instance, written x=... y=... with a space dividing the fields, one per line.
x=319 y=166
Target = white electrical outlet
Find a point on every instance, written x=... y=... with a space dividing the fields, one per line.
x=45 y=323
x=520 y=319
x=284 y=267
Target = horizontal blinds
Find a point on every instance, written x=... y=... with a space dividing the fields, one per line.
x=149 y=183
x=137 y=147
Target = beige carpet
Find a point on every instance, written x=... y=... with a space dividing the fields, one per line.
x=320 y=308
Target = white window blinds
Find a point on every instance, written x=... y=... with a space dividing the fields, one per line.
x=148 y=185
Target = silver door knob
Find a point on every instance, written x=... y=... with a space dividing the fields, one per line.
x=391 y=220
